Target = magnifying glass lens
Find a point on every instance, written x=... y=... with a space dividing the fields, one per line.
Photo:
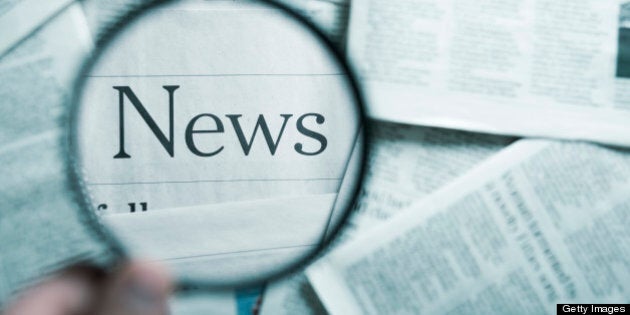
x=217 y=138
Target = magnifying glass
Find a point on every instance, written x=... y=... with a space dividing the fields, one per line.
x=221 y=139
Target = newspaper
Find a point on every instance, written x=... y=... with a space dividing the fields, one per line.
x=39 y=73
x=23 y=17
x=41 y=226
x=406 y=163
x=227 y=242
x=530 y=68
x=239 y=240
x=538 y=224
x=330 y=17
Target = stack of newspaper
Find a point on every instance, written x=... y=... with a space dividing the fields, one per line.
x=456 y=215
x=464 y=222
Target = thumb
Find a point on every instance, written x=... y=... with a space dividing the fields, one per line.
x=140 y=289
x=70 y=292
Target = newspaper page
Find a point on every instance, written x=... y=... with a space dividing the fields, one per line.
x=40 y=224
x=23 y=17
x=405 y=164
x=39 y=73
x=538 y=224
x=330 y=17
x=185 y=238
x=226 y=241
x=532 y=68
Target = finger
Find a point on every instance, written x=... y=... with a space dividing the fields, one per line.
x=68 y=293
x=140 y=289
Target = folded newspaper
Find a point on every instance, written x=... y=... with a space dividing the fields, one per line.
x=538 y=224
x=527 y=68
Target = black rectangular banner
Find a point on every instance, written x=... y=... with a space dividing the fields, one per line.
x=586 y=309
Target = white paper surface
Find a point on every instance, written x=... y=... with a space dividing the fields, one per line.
x=533 y=68
x=238 y=240
x=538 y=224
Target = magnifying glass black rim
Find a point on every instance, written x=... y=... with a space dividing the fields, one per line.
x=117 y=248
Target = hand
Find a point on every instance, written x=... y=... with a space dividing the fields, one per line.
x=138 y=289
